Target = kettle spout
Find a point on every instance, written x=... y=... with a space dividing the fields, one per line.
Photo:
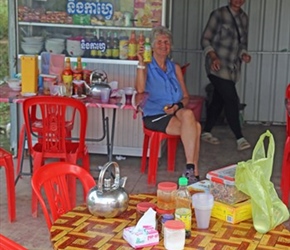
x=123 y=181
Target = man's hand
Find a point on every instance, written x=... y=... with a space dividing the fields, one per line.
x=246 y=58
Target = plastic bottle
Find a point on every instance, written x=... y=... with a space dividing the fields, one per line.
x=115 y=47
x=141 y=40
x=147 y=51
x=109 y=45
x=67 y=77
x=132 y=47
x=183 y=205
x=78 y=71
x=123 y=46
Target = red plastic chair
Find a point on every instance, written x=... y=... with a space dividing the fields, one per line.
x=36 y=124
x=285 y=175
x=184 y=68
x=155 y=139
x=8 y=244
x=6 y=161
x=53 y=179
x=52 y=141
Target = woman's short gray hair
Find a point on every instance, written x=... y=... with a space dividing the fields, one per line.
x=160 y=30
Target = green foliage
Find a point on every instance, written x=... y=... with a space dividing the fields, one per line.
x=4 y=19
x=4 y=69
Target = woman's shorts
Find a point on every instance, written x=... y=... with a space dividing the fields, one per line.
x=157 y=122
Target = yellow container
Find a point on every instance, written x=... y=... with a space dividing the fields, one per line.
x=29 y=73
x=232 y=213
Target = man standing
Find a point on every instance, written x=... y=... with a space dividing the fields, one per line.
x=224 y=41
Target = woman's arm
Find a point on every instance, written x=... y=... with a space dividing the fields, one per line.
x=180 y=78
x=141 y=76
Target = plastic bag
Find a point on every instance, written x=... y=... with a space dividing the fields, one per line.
x=253 y=178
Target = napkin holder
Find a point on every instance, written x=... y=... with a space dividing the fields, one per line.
x=144 y=233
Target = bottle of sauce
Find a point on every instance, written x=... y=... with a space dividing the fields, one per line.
x=132 y=47
x=141 y=40
x=147 y=51
x=115 y=47
x=123 y=46
x=183 y=205
x=67 y=77
x=78 y=71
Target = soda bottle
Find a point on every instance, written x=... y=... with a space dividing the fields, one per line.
x=183 y=205
x=67 y=77
x=109 y=49
x=115 y=47
x=147 y=51
x=132 y=47
x=123 y=46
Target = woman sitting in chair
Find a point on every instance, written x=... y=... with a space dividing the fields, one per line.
x=164 y=109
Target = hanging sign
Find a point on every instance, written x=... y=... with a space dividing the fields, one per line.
x=90 y=8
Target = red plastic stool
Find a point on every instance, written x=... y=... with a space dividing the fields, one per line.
x=7 y=162
x=285 y=174
x=156 y=138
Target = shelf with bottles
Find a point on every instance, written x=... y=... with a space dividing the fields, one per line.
x=77 y=26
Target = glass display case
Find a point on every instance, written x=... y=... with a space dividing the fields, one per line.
x=87 y=28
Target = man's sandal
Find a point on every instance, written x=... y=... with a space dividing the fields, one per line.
x=242 y=144
x=208 y=137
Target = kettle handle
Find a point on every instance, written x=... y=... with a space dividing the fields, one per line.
x=102 y=173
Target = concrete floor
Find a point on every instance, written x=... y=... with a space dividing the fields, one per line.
x=33 y=233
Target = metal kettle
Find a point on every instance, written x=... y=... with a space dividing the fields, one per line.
x=98 y=81
x=106 y=200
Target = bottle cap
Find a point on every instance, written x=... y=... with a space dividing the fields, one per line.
x=174 y=224
x=144 y=206
x=183 y=181
x=167 y=186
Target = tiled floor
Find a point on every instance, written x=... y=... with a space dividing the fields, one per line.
x=33 y=233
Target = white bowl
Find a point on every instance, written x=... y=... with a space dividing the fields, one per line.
x=32 y=39
x=31 y=48
x=14 y=84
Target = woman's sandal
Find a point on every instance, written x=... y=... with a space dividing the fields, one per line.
x=208 y=137
x=242 y=144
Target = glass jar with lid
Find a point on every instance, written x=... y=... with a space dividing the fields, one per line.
x=165 y=195
x=142 y=207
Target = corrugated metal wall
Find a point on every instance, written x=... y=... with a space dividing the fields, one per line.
x=263 y=82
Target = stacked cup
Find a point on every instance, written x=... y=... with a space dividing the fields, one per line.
x=202 y=203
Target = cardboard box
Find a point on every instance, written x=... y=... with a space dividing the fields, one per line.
x=201 y=186
x=222 y=185
x=144 y=237
x=232 y=213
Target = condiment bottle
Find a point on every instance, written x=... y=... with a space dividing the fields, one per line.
x=174 y=235
x=183 y=205
x=165 y=195
x=123 y=46
x=132 y=47
x=147 y=51
x=78 y=71
x=109 y=46
x=141 y=40
x=164 y=218
x=67 y=77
